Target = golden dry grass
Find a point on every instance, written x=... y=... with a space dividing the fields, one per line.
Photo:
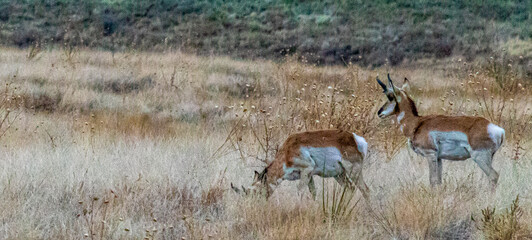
x=142 y=145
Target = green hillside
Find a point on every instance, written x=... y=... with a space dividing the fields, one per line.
x=325 y=32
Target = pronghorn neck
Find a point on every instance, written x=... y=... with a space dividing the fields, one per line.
x=273 y=173
x=407 y=116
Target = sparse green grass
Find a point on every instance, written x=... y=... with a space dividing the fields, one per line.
x=145 y=160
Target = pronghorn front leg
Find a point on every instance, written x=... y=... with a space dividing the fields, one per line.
x=305 y=178
x=435 y=170
x=312 y=188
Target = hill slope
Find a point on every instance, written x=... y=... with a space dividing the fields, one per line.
x=325 y=32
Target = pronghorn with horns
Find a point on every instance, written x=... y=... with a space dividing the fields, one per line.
x=326 y=153
x=440 y=137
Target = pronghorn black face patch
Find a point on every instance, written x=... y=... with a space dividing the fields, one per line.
x=261 y=177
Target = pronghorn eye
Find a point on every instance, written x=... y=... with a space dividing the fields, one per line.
x=390 y=97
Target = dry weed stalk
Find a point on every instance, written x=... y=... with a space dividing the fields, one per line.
x=70 y=52
x=10 y=104
x=34 y=51
x=337 y=205
x=94 y=213
x=265 y=121
x=425 y=213
x=503 y=226
x=502 y=97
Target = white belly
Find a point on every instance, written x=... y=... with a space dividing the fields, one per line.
x=326 y=161
x=451 y=145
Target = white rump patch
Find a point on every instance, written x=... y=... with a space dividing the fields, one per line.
x=362 y=145
x=496 y=134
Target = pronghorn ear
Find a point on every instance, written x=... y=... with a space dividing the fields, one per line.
x=406 y=85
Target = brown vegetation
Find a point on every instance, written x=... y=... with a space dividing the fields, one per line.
x=143 y=145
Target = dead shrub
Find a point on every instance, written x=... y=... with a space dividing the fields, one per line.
x=504 y=226
x=304 y=105
x=213 y=196
x=34 y=51
x=268 y=220
x=338 y=204
x=140 y=125
x=423 y=212
x=26 y=36
x=502 y=100
x=10 y=103
x=124 y=86
x=42 y=102
x=174 y=210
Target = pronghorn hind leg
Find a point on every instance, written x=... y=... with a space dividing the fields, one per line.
x=359 y=182
x=435 y=170
x=354 y=177
x=483 y=158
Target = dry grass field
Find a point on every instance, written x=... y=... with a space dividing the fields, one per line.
x=138 y=145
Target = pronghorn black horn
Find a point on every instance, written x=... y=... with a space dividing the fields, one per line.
x=390 y=80
x=235 y=188
x=245 y=190
x=382 y=84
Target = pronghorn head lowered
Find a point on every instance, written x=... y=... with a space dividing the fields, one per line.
x=398 y=99
x=260 y=185
x=325 y=153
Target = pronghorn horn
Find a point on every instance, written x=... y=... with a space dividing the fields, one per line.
x=235 y=188
x=382 y=85
x=245 y=190
x=393 y=88
x=390 y=80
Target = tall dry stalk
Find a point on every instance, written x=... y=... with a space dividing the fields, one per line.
x=503 y=226
x=338 y=204
x=10 y=104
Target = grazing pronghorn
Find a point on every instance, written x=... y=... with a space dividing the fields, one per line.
x=440 y=137
x=326 y=153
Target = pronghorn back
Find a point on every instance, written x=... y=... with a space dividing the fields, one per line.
x=481 y=133
x=345 y=142
x=326 y=153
